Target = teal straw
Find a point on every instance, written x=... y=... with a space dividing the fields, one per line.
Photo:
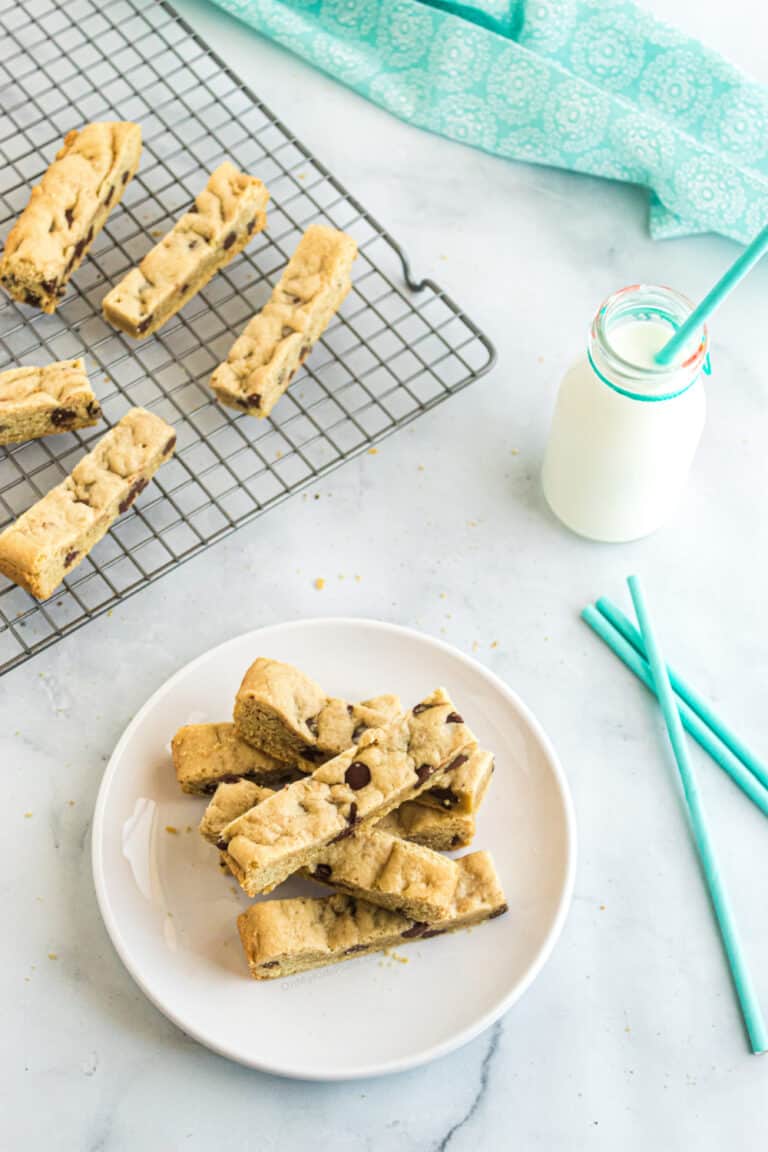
x=751 y=787
x=689 y=695
x=750 y=1007
x=714 y=298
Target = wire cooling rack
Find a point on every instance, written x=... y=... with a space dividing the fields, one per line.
x=387 y=358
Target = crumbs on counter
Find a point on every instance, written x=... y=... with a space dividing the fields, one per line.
x=319 y=583
x=495 y=644
x=171 y=830
x=27 y=815
x=373 y=451
x=53 y=955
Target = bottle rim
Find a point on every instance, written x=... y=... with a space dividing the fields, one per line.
x=644 y=381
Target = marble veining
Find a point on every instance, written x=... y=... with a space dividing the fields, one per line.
x=630 y=1038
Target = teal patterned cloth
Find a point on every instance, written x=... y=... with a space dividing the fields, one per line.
x=596 y=86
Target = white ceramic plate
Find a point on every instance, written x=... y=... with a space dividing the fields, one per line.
x=171 y=913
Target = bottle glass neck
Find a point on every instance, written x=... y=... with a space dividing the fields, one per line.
x=629 y=328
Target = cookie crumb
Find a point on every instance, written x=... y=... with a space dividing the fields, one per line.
x=319 y=583
x=514 y=451
x=53 y=955
x=71 y=803
x=420 y=468
x=358 y=579
x=495 y=644
x=475 y=645
x=27 y=815
x=373 y=451
x=171 y=830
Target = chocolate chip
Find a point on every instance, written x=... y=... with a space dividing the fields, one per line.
x=269 y=964
x=446 y=796
x=355 y=948
x=499 y=911
x=170 y=445
x=184 y=288
x=48 y=286
x=303 y=353
x=222 y=845
x=418 y=928
x=357 y=775
x=251 y=226
x=352 y=817
x=71 y=557
x=454 y=718
x=457 y=763
x=137 y=487
x=144 y=324
x=253 y=401
x=79 y=249
x=229 y=240
x=312 y=724
x=230 y=778
x=455 y=841
x=209 y=788
x=322 y=872
x=423 y=772
x=31 y=298
x=108 y=200
x=60 y=417
x=419 y=708
x=194 y=209
x=433 y=932
x=70 y=215
x=191 y=244
x=357 y=733
x=286 y=331
x=342 y=835
x=126 y=177
x=350 y=710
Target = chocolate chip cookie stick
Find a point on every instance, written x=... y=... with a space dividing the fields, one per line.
x=57 y=532
x=436 y=828
x=389 y=765
x=283 y=937
x=227 y=213
x=38 y=402
x=288 y=715
x=265 y=357
x=67 y=210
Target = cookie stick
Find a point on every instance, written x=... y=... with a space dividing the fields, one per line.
x=265 y=357
x=389 y=765
x=38 y=402
x=283 y=937
x=67 y=210
x=435 y=828
x=227 y=213
x=56 y=533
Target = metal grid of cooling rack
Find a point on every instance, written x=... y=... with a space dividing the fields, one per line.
x=387 y=358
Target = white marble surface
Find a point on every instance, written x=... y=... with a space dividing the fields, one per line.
x=631 y=1038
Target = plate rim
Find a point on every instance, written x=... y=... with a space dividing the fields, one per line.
x=398 y=1064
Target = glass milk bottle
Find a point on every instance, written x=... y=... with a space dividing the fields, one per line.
x=625 y=430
